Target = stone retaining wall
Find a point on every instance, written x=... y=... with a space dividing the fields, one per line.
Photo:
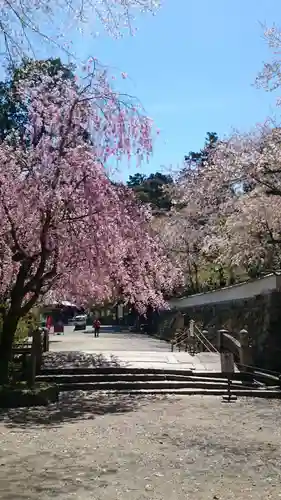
x=254 y=307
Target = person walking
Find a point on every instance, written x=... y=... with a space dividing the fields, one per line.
x=59 y=327
x=49 y=323
x=97 y=325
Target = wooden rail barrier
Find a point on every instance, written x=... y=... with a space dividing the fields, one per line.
x=27 y=356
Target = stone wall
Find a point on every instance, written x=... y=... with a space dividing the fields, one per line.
x=259 y=314
x=245 y=290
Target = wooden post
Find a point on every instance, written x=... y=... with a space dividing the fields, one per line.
x=186 y=339
x=37 y=348
x=32 y=366
x=191 y=328
x=246 y=352
x=227 y=366
x=46 y=340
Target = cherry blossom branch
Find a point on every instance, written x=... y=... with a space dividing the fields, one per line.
x=21 y=21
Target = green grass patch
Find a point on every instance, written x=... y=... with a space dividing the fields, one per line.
x=18 y=394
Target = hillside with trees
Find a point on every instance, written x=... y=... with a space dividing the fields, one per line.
x=224 y=225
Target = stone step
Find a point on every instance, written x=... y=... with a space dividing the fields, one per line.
x=136 y=378
x=250 y=393
x=257 y=375
x=128 y=376
x=110 y=370
x=146 y=385
x=110 y=377
x=141 y=371
x=85 y=370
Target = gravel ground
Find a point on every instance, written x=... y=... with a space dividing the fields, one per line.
x=110 y=447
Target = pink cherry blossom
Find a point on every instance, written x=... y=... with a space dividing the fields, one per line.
x=23 y=24
x=65 y=229
x=181 y=235
x=237 y=198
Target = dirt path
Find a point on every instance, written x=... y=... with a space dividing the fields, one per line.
x=112 y=447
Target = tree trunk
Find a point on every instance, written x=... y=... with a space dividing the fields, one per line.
x=7 y=337
x=196 y=277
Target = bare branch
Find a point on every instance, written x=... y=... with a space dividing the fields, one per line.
x=24 y=21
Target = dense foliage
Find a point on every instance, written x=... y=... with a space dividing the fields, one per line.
x=151 y=189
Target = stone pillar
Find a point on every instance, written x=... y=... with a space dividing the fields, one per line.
x=179 y=321
x=246 y=351
x=227 y=362
x=206 y=334
x=220 y=340
x=221 y=346
x=191 y=329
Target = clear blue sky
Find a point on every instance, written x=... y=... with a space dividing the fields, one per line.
x=192 y=66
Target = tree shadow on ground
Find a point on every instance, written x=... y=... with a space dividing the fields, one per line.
x=74 y=359
x=73 y=406
x=165 y=346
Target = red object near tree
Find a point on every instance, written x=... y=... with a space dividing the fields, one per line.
x=49 y=322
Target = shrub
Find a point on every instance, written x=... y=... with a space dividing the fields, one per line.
x=25 y=325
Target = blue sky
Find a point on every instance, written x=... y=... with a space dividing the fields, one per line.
x=192 y=66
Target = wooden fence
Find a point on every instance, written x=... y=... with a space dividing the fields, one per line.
x=27 y=356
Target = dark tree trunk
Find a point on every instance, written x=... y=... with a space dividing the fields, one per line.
x=196 y=277
x=6 y=342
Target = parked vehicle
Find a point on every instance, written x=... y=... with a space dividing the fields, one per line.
x=80 y=322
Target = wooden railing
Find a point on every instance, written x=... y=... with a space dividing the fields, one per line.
x=194 y=340
x=184 y=340
x=179 y=340
x=191 y=339
x=202 y=338
x=240 y=347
